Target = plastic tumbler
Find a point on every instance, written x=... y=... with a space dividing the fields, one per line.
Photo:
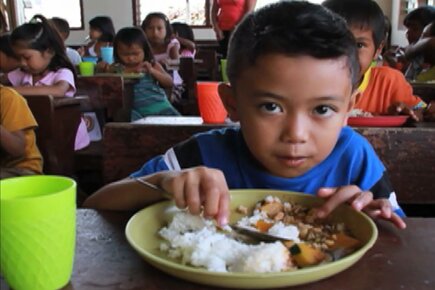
x=224 y=70
x=209 y=102
x=107 y=54
x=86 y=68
x=37 y=225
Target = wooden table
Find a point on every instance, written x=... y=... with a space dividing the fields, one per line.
x=400 y=259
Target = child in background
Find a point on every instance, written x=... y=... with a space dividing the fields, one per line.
x=8 y=60
x=19 y=154
x=63 y=27
x=165 y=48
x=45 y=68
x=133 y=52
x=293 y=72
x=101 y=33
x=184 y=34
x=424 y=49
x=383 y=90
x=415 y=23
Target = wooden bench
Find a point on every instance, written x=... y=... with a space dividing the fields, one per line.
x=58 y=120
x=110 y=93
x=408 y=153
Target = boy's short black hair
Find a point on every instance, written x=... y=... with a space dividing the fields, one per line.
x=62 y=25
x=365 y=14
x=6 y=46
x=292 y=29
x=421 y=15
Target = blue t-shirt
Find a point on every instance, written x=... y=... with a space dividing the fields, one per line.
x=352 y=162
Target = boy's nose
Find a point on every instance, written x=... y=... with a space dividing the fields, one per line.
x=295 y=129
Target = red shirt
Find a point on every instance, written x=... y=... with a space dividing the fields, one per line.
x=230 y=13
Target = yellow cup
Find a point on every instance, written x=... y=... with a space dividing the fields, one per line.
x=37 y=225
x=87 y=68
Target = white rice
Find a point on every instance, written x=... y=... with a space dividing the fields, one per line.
x=196 y=241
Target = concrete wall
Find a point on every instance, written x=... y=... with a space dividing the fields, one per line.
x=121 y=12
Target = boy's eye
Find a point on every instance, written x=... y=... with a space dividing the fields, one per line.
x=271 y=107
x=323 y=110
x=360 y=45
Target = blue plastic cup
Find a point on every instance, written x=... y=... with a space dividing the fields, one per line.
x=107 y=54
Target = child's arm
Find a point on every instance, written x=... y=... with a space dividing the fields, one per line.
x=58 y=89
x=214 y=21
x=193 y=188
x=174 y=51
x=359 y=200
x=188 y=44
x=159 y=73
x=14 y=143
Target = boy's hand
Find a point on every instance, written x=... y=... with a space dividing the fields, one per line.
x=200 y=188
x=335 y=196
x=401 y=108
x=359 y=200
x=381 y=208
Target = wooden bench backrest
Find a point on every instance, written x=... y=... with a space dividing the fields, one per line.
x=408 y=153
x=58 y=120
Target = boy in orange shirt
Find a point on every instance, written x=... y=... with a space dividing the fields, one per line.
x=383 y=90
x=19 y=153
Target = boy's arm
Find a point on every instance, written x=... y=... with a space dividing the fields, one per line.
x=14 y=143
x=126 y=194
x=59 y=89
x=197 y=188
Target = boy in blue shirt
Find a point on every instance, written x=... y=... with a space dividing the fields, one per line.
x=293 y=70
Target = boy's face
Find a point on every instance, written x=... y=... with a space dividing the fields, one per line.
x=367 y=51
x=413 y=32
x=8 y=63
x=291 y=110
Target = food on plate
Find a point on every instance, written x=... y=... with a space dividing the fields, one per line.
x=359 y=113
x=310 y=241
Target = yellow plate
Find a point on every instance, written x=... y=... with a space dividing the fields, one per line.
x=142 y=234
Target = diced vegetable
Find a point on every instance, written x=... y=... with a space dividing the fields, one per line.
x=346 y=242
x=304 y=255
x=272 y=209
x=263 y=226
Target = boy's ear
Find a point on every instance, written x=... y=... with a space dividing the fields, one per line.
x=226 y=92
x=351 y=104
x=379 y=50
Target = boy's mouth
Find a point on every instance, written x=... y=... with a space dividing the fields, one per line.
x=292 y=161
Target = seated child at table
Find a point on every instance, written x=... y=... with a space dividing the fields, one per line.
x=415 y=22
x=165 y=48
x=45 y=68
x=383 y=90
x=63 y=27
x=184 y=34
x=19 y=154
x=133 y=54
x=101 y=33
x=425 y=49
x=293 y=71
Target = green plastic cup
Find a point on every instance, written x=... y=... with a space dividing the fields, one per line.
x=224 y=70
x=87 y=68
x=37 y=226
